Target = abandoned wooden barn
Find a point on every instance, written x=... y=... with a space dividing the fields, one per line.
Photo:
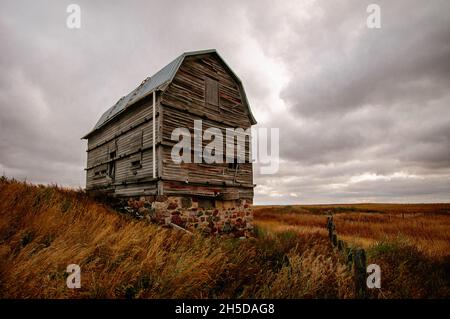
x=129 y=149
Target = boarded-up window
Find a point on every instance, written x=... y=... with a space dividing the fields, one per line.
x=212 y=91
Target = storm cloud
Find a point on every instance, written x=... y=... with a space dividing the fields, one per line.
x=364 y=114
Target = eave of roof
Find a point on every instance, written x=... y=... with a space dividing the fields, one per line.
x=158 y=80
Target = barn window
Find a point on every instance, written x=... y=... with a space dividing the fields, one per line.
x=212 y=91
x=100 y=171
x=112 y=169
x=136 y=164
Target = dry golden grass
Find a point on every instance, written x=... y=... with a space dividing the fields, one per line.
x=426 y=226
x=44 y=229
x=410 y=242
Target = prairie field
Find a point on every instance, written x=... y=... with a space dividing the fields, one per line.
x=45 y=228
x=424 y=226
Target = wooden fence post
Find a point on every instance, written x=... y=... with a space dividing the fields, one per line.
x=331 y=228
x=359 y=273
x=355 y=258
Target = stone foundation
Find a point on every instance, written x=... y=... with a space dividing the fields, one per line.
x=211 y=216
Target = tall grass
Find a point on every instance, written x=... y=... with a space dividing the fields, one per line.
x=426 y=226
x=409 y=272
x=45 y=228
x=411 y=243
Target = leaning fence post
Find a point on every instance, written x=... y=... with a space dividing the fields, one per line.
x=359 y=272
x=355 y=258
x=331 y=228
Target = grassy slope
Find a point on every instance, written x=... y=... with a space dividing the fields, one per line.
x=44 y=229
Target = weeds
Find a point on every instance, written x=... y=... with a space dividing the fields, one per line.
x=43 y=229
x=411 y=245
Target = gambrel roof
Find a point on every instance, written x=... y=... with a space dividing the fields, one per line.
x=159 y=80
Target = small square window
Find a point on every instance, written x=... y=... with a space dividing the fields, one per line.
x=136 y=164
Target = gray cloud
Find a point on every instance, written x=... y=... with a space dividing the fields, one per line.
x=363 y=114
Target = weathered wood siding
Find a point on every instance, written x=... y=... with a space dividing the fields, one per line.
x=187 y=92
x=186 y=100
x=130 y=137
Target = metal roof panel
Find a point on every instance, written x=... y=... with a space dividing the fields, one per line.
x=152 y=83
x=147 y=86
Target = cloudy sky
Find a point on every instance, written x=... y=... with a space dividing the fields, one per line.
x=364 y=114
